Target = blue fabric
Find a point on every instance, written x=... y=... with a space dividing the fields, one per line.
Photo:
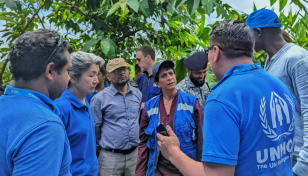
x=90 y=96
x=249 y=122
x=79 y=126
x=32 y=137
x=183 y=126
x=151 y=91
x=262 y=18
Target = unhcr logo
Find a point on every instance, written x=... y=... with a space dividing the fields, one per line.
x=279 y=115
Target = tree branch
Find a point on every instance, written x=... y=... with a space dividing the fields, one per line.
x=39 y=18
x=2 y=70
x=73 y=7
x=24 y=29
x=126 y=35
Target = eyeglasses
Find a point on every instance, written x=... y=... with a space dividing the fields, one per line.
x=60 y=42
x=206 y=50
x=119 y=70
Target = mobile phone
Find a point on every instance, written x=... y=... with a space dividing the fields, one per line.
x=161 y=129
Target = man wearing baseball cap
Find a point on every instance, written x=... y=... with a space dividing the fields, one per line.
x=181 y=111
x=115 y=111
x=195 y=82
x=289 y=63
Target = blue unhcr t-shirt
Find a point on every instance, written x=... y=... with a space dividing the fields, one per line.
x=79 y=126
x=249 y=122
x=32 y=136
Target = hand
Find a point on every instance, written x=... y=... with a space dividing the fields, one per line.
x=168 y=144
x=142 y=105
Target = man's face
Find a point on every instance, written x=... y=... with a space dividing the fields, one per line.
x=197 y=77
x=258 y=40
x=138 y=74
x=100 y=78
x=63 y=78
x=119 y=77
x=142 y=61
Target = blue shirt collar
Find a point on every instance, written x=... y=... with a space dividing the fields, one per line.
x=32 y=94
x=236 y=69
x=73 y=99
x=114 y=91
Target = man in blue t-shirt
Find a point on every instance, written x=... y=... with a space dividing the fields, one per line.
x=32 y=136
x=248 y=126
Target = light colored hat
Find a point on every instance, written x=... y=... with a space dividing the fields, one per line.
x=116 y=63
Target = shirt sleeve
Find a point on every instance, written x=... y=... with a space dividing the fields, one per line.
x=42 y=151
x=143 y=151
x=198 y=118
x=221 y=134
x=97 y=116
x=300 y=82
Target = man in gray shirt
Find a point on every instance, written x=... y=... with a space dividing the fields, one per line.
x=289 y=63
x=115 y=111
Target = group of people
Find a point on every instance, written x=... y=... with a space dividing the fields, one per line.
x=60 y=116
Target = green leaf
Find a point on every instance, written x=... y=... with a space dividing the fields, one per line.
x=282 y=4
x=105 y=46
x=192 y=6
x=11 y=4
x=272 y=2
x=208 y=6
x=184 y=19
x=302 y=35
x=47 y=4
x=2 y=1
x=115 y=7
x=113 y=49
x=180 y=70
x=222 y=10
x=134 y=4
x=254 y=7
x=5 y=18
x=123 y=5
x=89 y=44
x=152 y=7
x=144 y=7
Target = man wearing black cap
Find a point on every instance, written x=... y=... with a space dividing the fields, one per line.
x=289 y=63
x=195 y=82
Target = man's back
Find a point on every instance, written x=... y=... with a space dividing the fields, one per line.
x=251 y=114
x=32 y=138
x=290 y=65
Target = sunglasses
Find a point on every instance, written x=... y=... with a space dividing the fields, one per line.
x=60 y=42
x=206 y=50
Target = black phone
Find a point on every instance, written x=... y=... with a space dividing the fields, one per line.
x=161 y=129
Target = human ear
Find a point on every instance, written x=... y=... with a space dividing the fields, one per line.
x=49 y=71
x=72 y=78
x=108 y=77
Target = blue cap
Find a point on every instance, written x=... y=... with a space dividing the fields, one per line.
x=157 y=65
x=262 y=18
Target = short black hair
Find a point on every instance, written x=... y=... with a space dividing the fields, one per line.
x=103 y=70
x=234 y=37
x=147 y=50
x=31 y=51
x=137 y=68
x=1 y=88
x=165 y=67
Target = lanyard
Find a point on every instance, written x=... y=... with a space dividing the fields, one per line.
x=23 y=92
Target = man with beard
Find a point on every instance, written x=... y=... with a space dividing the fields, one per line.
x=115 y=111
x=195 y=82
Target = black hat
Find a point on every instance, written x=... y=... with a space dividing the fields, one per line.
x=197 y=61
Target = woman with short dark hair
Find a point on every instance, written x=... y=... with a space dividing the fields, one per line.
x=76 y=114
x=181 y=111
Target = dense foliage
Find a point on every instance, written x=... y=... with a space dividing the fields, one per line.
x=115 y=28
